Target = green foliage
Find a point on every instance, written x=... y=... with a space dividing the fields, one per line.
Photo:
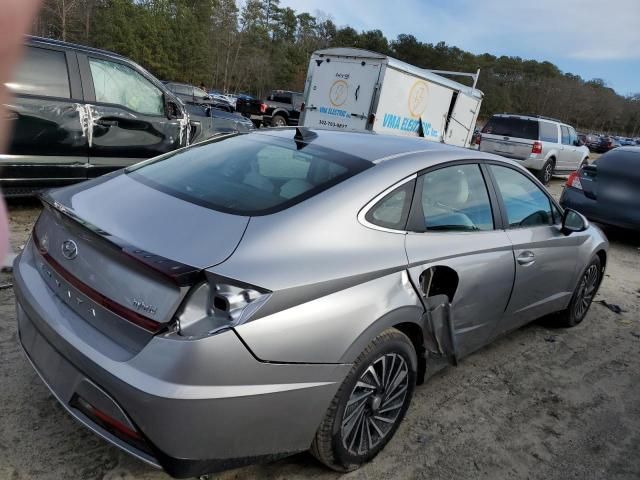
x=260 y=45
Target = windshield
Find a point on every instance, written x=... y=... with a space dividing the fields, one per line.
x=248 y=174
x=512 y=127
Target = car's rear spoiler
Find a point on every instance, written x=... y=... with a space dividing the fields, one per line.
x=180 y=273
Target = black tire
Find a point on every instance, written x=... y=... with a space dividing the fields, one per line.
x=546 y=173
x=583 y=295
x=278 y=121
x=335 y=442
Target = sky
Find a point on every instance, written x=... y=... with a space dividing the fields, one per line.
x=590 y=38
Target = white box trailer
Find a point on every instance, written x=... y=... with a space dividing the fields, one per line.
x=358 y=90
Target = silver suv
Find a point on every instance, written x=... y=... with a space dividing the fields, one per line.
x=541 y=144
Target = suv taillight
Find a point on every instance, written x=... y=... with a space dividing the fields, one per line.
x=574 y=181
x=478 y=139
x=263 y=107
x=536 y=147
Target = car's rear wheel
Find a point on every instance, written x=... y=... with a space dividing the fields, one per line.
x=546 y=173
x=278 y=121
x=582 y=296
x=369 y=405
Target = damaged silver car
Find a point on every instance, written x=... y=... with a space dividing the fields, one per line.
x=268 y=293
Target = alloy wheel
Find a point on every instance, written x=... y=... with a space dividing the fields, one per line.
x=375 y=404
x=548 y=173
x=586 y=292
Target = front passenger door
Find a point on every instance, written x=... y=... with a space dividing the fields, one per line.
x=545 y=259
x=127 y=114
x=455 y=226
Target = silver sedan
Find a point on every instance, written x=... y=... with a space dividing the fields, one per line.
x=284 y=290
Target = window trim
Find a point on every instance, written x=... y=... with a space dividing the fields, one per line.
x=362 y=214
x=416 y=215
x=526 y=174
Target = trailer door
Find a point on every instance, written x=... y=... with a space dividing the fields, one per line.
x=340 y=93
x=463 y=120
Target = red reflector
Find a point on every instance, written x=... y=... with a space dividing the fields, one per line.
x=134 y=317
x=478 y=139
x=536 y=147
x=115 y=424
x=574 y=181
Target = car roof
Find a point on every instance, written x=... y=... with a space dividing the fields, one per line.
x=374 y=147
x=531 y=117
x=32 y=39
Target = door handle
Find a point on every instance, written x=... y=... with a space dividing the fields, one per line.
x=526 y=258
x=106 y=123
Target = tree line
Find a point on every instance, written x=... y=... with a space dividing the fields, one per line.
x=257 y=45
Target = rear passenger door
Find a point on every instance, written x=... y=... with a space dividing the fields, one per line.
x=545 y=258
x=127 y=114
x=48 y=140
x=455 y=224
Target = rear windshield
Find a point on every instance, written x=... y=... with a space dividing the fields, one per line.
x=248 y=174
x=512 y=127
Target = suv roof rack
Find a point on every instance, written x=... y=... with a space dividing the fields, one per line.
x=533 y=116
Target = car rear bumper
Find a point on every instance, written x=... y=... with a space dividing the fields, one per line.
x=196 y=406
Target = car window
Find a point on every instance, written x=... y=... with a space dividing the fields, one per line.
x=248 y=174
x=566 y=138
x=392 y=211
x=280 y=97
x=122 y=85
x=180 y=89
x=199 y=93
x=548 y=132
x=573 y=136
x=526 y=204
x=512 y=127
x=41 y=72
x=456 y=199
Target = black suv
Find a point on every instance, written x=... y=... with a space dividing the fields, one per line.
x=79 y=112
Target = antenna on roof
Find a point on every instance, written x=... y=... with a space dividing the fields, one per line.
x=303 y=134
x=420 y=128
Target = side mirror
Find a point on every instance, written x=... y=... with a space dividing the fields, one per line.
x=573 y=222
x=172 y=109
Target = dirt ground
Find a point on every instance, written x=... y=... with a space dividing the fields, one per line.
x=538 y=404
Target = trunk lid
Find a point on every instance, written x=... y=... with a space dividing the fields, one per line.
x=115 y=249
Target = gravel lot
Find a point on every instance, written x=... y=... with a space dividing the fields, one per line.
x=538 y=404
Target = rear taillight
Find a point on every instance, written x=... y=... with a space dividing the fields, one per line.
x=536 y=147
x=263 y=107
x=478 y=139
x=574 y=181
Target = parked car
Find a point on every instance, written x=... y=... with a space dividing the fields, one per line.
x=78 y=112
x=541 y=144
x=607 y=190
x=256 y=295
x=281 y=108
x=593 y=142
x=252 y=108
x=606 y=143
x=193 y=95
x=213 y=121
x=627 y=142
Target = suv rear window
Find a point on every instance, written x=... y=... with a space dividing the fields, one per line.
x=512 y=127
x=248 y=174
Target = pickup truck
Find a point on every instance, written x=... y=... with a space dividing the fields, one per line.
x=281 y=108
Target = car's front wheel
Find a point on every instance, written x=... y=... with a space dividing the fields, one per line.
x=582 y=296
x=369 y=405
